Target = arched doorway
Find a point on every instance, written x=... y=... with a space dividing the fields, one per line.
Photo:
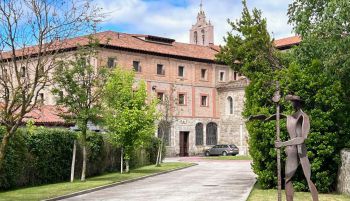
x=199 y=134
x=212 y=130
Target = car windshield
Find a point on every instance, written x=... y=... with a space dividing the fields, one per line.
x=233 y=146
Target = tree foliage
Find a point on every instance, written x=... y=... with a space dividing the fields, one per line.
x=78 y=84
x=130 y=116
x=249 y=50
x=25 y=68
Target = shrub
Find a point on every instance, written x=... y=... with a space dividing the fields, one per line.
x=43 y=156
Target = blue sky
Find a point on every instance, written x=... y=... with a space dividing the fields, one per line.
x=173 y=18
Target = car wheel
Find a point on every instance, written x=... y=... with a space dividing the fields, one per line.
x=224 y=153
x=207 y=153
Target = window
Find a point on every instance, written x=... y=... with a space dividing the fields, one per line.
x=136 y=66
x=160 y=96
x=204 y=100
x=222 y=76
x=199 y=134
x=4 y=74
x=203 y=36
x=60 y=94
x=204 y=74
x=111 y=62
x=181 y=71
x=230 y=104
x=212 y=133
x=182 y=99
x=164 y=126
x=23 y=71
x=160 y=69
x=41 y=97
x=41 y=70
x=195 y=37
x=235 y=76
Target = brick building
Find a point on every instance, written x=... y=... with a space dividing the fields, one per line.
x=208 y=96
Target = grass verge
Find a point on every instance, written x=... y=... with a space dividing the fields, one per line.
x=58 y=189
x=239 y=157
x=259 y=194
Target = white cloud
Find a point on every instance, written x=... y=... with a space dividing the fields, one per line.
x=164 y=19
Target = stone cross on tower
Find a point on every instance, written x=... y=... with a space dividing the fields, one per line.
x=202 y=33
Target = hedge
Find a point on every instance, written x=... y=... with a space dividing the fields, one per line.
x=44 y=156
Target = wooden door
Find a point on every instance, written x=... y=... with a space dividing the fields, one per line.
x=184 y=143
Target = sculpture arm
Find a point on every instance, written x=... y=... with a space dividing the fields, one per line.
x=273 y=117
x=294 y=141
x=257 y=117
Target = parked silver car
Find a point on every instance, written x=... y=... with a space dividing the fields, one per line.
x=222 y=149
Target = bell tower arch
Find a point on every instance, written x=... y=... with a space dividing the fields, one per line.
x=202 y=33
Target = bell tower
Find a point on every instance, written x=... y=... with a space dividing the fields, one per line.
x=202 y=33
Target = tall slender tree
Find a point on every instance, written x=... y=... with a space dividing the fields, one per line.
x=78 y=84
x=130 y=116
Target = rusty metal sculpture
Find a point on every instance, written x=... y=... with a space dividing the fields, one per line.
x=298 y=126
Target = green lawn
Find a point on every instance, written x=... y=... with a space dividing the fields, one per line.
x=54 y=190
x=239 y=157
x=266 y=195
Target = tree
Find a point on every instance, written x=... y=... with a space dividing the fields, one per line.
x=78 y=85
x=323 y=60
x=306 y=72
x=130 y=116
x=24 y=68
x=164 y=124
x=249 y=50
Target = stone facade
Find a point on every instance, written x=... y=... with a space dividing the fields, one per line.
x=232 y=124
x=343 y=185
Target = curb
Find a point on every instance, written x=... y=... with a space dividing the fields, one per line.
x=114 y=184
x=247 y=194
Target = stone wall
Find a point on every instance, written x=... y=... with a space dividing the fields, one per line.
x=344 y=172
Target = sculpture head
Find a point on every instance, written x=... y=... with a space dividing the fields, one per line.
x=296 y=101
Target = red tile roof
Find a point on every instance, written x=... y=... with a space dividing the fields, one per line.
x=133 y=42
x=287 y=42
x=46 y=115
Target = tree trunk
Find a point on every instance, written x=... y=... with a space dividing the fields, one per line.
x=127 y=166
x=160 y=152
x=73 y=161
x=83 y=170
x=3 y=146
x=121 y=160
x=159 y=155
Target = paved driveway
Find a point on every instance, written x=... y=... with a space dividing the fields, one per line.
x=209 y=180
